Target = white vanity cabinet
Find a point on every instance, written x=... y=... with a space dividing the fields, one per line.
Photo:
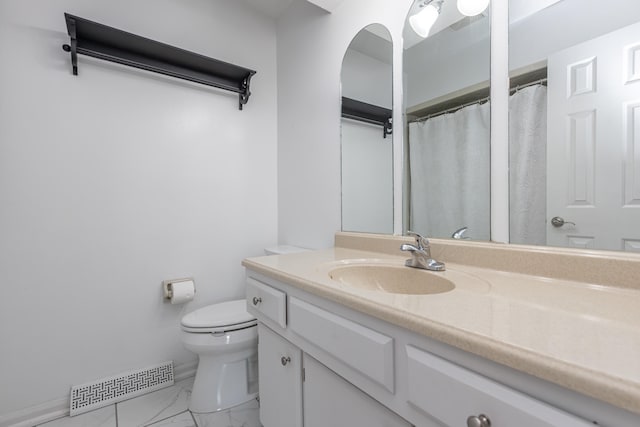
x=323 y=364
x=295 y=389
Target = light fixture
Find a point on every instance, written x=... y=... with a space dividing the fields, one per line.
x=422 y=21
x=472 y=7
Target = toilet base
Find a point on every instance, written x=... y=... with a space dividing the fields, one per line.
x=221 y=383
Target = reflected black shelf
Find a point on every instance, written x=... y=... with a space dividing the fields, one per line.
x=368 y=113
x=110 y=44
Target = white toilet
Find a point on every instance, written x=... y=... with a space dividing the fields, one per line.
x=225 y=338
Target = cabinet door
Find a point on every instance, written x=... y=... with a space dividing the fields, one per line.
x=329 y=400
x=280 y=374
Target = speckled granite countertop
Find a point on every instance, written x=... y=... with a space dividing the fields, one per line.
x=582 y=336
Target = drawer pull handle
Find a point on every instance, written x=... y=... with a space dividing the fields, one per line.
x=284 y=360
x=257 y=300
x=478 y=421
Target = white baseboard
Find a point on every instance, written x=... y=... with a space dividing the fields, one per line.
x=38 y=414
x=58 y=408
x=186 y=370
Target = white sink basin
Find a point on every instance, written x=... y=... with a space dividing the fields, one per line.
x=392 y=279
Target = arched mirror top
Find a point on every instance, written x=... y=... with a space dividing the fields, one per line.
x=367 y=67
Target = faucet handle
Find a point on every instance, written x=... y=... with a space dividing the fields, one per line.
x=460 y=233
x=421 y=241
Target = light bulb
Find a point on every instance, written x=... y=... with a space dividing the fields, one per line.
x=422 y=21
x=472 y=7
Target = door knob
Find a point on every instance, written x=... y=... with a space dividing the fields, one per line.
x=478 y=421
x=558 y=221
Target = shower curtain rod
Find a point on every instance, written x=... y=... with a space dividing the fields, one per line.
x=477 y=101
x=522 y=86
x=451 y=110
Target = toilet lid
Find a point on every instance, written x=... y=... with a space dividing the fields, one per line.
x=225 y=314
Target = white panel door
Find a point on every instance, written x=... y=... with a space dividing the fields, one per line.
x=593 y=149
x=329 y=400
x=280 y=380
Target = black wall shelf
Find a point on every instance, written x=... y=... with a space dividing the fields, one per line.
x=110 y=44
x=368 y=113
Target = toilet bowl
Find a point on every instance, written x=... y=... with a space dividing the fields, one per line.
x=225 y=338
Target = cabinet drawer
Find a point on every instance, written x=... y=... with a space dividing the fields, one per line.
x=263 y=301
x=451 y=394
x=362 y=349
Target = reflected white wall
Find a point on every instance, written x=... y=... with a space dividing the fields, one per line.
x=367 y=79
x=367 y=187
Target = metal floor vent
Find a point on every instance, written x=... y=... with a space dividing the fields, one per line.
x=103 y=392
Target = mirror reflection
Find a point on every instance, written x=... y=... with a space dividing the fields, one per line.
x=446 y=88
x=575 y=123
x=366 y=128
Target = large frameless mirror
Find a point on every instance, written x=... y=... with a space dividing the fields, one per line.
x=366 y=132
x=446 y=63
x=575 y=123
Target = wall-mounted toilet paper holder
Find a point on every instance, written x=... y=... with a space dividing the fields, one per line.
x=178 y=290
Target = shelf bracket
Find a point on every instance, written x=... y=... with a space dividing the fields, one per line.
x=387 y=127
x=368 y=113
x=74 y=45
x=245 y=93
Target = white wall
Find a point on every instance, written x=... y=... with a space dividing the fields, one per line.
x=311 y=44
x=116 y=179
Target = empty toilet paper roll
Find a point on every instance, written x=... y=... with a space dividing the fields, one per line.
x=179 y=291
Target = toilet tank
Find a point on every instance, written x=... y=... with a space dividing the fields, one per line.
x=283 y=249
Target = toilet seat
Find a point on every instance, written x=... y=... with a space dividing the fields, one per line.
x=219 y=318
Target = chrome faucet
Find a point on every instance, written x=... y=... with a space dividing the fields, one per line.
x=421 y=254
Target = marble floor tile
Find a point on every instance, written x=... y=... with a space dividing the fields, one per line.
x=163 y=408
x=183 y=419
x=245 y=415
x=103 y=417
x=159 y=405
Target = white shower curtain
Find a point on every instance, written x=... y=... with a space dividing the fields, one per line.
x=449 y=173
x=528 y=170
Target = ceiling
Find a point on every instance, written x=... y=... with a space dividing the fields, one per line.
x=272 y=8
x=275 y=8
x=518 y=8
